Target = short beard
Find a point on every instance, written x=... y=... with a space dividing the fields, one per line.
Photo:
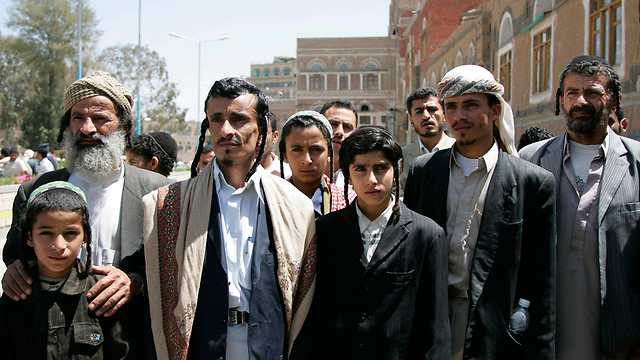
x=428 y=133
x=98 y=160
x=585 y=126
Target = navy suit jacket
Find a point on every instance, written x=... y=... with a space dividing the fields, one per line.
x=392 y=307
x=618 y=233
x=514 y=256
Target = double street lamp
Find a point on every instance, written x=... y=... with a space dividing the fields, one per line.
x=199 y=57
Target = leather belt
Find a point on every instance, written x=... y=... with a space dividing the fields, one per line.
x=238 y=317
x=457 y=293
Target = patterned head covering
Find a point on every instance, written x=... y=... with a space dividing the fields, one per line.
x=314 y=114
x=55 y=185
x=98 y=83
x=469 y=79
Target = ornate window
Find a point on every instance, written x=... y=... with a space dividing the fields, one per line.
x=316 y=82
x=459 y=59
x=343 y=66
x=286 y=71
x=276 y=72
x=472 y=54
x=605 y=29
x=344 y=82
x=266 y=72
x=505 y=73
x=316 y=67
x=370 y=81
x=256 y=73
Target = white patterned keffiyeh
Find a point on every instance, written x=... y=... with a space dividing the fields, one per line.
x=468 y=79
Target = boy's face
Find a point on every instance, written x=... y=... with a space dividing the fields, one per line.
x=371 y=175
x=307 y=154
x=56 y=237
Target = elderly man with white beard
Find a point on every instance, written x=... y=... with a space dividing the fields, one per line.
x=95 y=128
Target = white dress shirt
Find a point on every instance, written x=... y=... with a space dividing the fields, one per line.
x=104 y=201
x=44 y=166
x=238 y=219
x=371 y=231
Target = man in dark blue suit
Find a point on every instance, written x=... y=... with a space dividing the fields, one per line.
x=499 y=217
x=597 y=175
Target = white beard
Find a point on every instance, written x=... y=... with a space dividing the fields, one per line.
x=98 y=160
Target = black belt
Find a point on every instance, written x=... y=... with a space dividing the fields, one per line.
x=238 y=317
x=457 y=293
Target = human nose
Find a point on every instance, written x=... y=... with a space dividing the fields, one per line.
x=306 y=158
x=88 y=127
x=339 y=130
x=371 y=178
x=59 y=243
x=226 y=129
x=581 y=100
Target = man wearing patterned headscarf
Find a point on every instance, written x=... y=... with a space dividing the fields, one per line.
x=498 y=213
x=95 y=128
x=597 y=175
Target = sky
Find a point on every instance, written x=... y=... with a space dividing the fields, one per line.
x=259 y=30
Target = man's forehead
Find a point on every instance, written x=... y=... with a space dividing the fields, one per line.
x=428 y=101
x=584 y=81
x=244 y=103
x=466 y=97
x=98 y=101
x=336 y=113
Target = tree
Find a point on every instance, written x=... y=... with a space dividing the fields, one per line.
x=157 y=94
x=14 y=74
x=46 y=42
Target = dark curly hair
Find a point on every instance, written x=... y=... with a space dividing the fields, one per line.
x=52 y=200
x=145 y=146
x=231 y=88
x=531 y=135
x=303 y=121
x=364 y=139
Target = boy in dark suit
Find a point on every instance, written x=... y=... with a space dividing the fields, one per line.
x=382 y=269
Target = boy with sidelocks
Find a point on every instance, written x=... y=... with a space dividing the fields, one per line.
x=382 y=268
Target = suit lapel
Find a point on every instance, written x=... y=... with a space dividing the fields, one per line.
x=615 y=168
x=351 y=237
x=394 y=234
x=499 y=205
x=435 y=185
x=551 y=159
x=215 y=230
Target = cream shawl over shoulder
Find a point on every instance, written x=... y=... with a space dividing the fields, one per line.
x=176 y=221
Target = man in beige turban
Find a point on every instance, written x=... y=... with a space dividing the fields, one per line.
x=498 y=213
x=95 y=128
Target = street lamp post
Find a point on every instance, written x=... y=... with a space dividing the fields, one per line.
x=199 y=57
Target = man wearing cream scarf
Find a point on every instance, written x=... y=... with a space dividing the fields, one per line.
x=230 y=253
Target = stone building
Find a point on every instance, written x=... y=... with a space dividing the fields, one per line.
x=527 y=44
x=278 y=82
x=359 y=69
x=186 y=137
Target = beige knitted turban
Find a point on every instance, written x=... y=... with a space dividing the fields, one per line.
x=98 y=83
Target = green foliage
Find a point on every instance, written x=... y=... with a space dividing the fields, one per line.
x=157 y=94
x=46 y=44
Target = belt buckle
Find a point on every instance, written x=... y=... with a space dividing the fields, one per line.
x=238 y=317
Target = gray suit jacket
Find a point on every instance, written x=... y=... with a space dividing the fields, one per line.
x=137 y=183
x=618 y=233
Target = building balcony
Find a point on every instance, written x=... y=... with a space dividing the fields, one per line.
x=346 y=94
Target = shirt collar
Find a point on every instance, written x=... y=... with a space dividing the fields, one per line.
x=221 y=182
x=381 y=220
x=88 y=178
x=603 y=147
x=486 y=162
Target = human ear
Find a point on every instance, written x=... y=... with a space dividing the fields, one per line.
x=154 y=163
x=29 y=241
x=495 y=111
x=624 y=123
x=276 y=134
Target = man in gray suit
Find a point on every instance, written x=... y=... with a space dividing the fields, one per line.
x=427 y=118
x=95 y=127
x=598 y=252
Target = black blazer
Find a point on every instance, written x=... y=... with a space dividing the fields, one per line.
x=395 y=306
x=514 y=256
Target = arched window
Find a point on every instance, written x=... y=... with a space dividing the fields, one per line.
x=445 y=69
x=472 y=53
x=506 y=28
x=459 y=59
x=434 y=79
x=540 y=7
x=286 y=71
x=256 y=73
x=276 y=72
x=370 y=66
x=364 y=108
x=343 y=66
x=266 y=72
x=316 y=67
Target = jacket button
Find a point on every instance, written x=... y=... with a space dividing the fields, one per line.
x=364 y=316
x=223 y=323
x=367 y=287
x=54 y=339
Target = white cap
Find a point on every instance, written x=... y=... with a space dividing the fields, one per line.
x=524 y=303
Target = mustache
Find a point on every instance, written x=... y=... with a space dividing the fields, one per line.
x=82 y=136
x=463 y=121
x=590 y=109
x=234 y=139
